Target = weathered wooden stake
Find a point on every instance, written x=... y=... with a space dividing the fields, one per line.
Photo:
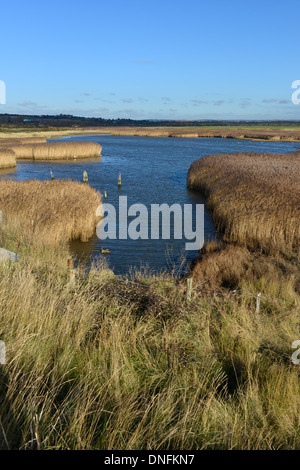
x=189 y=284
x=119 y=180
x=2 y=352
x=72 y=276
x=85 y=177
x=105 y=195
x=258 y=302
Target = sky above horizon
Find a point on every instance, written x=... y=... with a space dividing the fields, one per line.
x=163 y=59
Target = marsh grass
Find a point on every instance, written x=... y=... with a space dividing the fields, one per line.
x=130 y=364
x=53 y=211
x=254 y=198
x=56 y=150
x=7 y=158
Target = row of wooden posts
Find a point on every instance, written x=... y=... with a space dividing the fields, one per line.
x=73 y=273
x=189 y=287
x=85 y=179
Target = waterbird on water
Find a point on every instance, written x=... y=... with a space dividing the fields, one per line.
x=105 y=251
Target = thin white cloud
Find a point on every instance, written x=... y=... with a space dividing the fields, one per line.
x=26 y=104
x=270 y=100
x=219 y=102
x=198 y=102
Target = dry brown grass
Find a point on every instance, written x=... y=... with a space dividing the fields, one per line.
x=6 y=142
x=225 y=132
x=255 y=198
x=57 y=150
x=7 y=158
x=221 y=267
x=52 y=211
x=284 y=133
x=110 y=364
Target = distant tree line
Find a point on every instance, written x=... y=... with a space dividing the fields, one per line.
x=67 y=120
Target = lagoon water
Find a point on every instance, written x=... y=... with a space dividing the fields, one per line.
x=154 y=171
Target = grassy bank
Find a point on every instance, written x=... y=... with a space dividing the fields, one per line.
x=51 y=212
x=266 y=132
x=56 y=150
x=111 y=364
x=255 y=204
x=254 y=198
x=7 y=158
x=227 y=132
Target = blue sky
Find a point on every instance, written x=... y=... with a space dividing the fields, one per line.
x=156 y=59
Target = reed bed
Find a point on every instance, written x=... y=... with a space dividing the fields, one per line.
x=254 y=198
x=25 y=140
x=57 y=150
x=54 y=211
x=7 y=158
x=224 y=132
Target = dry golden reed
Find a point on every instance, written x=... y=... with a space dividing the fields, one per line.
x=255 y=198
x=6 y=142
x=116 y=365
x=224 y=132
x=7 y=158
x=57 y=150
x=52 y=211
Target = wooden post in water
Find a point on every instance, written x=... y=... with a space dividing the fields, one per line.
x=85 y=177
x=105 y=195
x=119 y=180
x=189 y=284
x=258 y=302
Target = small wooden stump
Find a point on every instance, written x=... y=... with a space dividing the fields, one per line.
x=258 y=298
x=189 y=285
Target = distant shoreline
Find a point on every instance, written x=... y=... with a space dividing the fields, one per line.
x=277 y=134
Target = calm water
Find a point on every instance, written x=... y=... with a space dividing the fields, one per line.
x=153 y=171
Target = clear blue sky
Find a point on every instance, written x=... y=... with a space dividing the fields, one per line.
x=189 y=59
